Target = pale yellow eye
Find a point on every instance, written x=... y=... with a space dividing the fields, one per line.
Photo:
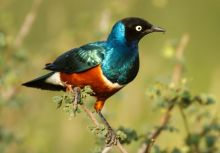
x=138 y=28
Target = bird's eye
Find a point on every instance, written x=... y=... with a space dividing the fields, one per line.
x=138 y=28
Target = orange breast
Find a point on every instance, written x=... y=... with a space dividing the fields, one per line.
x=93 y=77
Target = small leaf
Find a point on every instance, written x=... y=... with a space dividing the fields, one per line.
x=171 y=128
x=176 y=150
x=97 y=149
x=6 y=136
x=100 y=131
x=20 y=55
x=122 y=136
x=127 y=135
x=156 y=149
x=204 y=99
x=2 y=40
x=88 y=90
x=184 y=98
x=210 y=140
x=58 y=100
x=193 y=139
x=210 y=100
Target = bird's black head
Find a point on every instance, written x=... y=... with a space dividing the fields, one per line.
x=136 y=28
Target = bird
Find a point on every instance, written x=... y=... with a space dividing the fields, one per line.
x=106 y=66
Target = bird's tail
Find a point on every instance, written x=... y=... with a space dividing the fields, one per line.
x=50 y=81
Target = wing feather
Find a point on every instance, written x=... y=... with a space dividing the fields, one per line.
x=78 y=59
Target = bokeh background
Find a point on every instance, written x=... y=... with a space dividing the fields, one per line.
x=29 y=120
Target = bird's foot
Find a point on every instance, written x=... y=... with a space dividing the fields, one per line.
x=76 y=91
x=69 y=88
x=111 y=138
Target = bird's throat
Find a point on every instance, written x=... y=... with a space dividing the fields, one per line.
x=121 y=63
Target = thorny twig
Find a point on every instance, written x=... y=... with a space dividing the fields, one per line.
x=177 y=73
x=94 y=120
x=146 y=147
x=186 y=126
x=195 y=147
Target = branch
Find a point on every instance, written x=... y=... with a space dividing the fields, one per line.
x=186 y=126
x=185 y=122
x=146 y=147
x=178 y=68
x=177 y=73
x=106 y=149
x=27 y=24
x=96 y=123
x=90 y=115
x=22 y=33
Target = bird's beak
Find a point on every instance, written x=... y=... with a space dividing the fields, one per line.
x=157 y=29
x=153 y=29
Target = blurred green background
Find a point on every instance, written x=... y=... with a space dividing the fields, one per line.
x=29 y=120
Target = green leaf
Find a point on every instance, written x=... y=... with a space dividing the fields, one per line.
x=193 y=139
x=87 y=90
x=97 y=149
x=58 y=100
x=20 y=55
x=204 y=99
x=127 y=135
x=210 y=140
x=176 y=150
x=6 y=136
x=100 y=131
x=2 y=40
x=156 y=149
x=171 y=128
x=185 y=98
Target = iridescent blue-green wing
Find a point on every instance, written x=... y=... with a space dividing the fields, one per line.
x=78 y=59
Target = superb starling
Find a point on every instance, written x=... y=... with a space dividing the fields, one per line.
x=105 y=66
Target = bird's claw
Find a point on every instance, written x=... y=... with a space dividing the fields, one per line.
x=111 y=138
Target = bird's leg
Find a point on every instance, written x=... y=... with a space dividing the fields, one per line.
x=111 y=137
